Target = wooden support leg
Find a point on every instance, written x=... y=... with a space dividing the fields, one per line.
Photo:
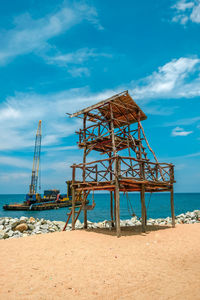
x=73 y=208
x=85 y=211
x=172 y=207
x=145 y=216
x=117 y=221
x=142 y=196
x=111 y=208
x=85 y=218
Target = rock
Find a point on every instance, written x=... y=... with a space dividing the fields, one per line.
x=44 y=226
x=31 y=220
x=130 y=222
x=60 y=224
x=138 y=223
x=42 y=221
x=14 y=223
x=31 y=227
x=134 y=219
x=8 y=228
x=2 y=221
x=22 y=227
x=5 y=235
x=2 y=233
x=23 y=220
x=10 y=233
x=80 y=225
x=1 y=227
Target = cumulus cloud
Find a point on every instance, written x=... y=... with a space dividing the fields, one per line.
x=172 y=80
x=25 y=109
x=186 y=11
x=29 y=108
x=178 y=131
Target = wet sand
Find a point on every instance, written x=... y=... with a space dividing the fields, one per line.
x=162 y=264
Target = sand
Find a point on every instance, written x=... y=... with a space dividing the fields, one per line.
x=161 y=264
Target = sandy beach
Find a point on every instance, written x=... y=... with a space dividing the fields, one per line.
x=164 y=263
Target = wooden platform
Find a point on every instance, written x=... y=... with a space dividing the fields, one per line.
x=125 y=184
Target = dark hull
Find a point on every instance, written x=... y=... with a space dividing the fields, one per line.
x=45 y=206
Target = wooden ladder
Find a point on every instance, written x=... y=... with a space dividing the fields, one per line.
x=77 y=213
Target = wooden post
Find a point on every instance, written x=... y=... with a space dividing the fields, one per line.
x=142 y=196
x=172 y=207
x=116 y=171
x=73 y=197
x=111 y=208
x=84 y=161
x=111 y=195
x=118 y=230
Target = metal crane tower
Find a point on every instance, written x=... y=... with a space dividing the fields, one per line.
x=36 y=161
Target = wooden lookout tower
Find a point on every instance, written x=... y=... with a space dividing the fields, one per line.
x=113 y=127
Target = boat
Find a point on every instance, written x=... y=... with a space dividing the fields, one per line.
x=51 y=199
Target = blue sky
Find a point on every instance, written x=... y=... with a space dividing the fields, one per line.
x=60 y=56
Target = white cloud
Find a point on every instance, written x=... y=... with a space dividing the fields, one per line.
x=79 y=72
x=77 y=57
x=33 y=35
x=178 y=131
x=75 y=62
x=15 y=162
x=187 y=121
x=29 y=108
x=170 y=81
x=25 y=109
x=186 y=11
x=16 y=176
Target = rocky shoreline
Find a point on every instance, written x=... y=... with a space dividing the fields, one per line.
x=15 y=228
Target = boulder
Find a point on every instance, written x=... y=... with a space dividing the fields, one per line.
x=2 y=233
x=2 y=221
x=23 y=220
x=59 y=224
x=79 y=224
x=22 y=227
x=31 y=227
x=31 y=220
x=10 y=233
x=14 y=223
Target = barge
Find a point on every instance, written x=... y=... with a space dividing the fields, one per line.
x=52 y=199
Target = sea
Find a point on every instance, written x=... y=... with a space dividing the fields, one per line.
x=158 y=206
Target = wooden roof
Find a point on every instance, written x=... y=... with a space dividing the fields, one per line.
x=124 y=109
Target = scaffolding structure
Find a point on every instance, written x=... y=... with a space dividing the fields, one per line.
x=109 y=127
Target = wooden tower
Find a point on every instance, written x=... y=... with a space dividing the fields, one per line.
x=113 y=127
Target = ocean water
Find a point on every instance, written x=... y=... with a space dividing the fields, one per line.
x=158 y=206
